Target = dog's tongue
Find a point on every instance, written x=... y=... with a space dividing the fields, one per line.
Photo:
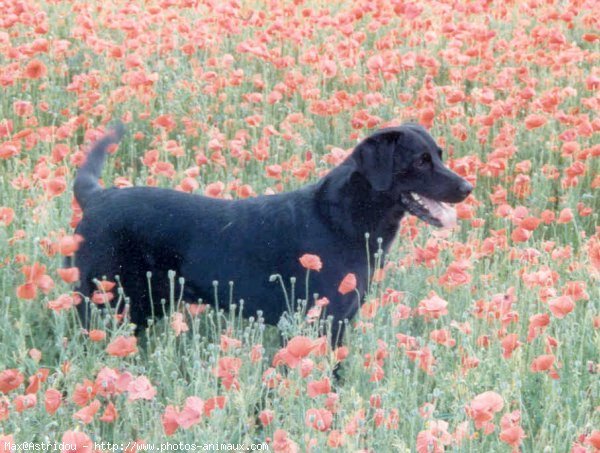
x=446 y=214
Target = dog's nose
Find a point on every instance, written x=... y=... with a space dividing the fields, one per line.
x=465 y=188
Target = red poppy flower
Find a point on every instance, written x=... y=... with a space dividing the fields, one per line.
x=348 y=284
x=35 y=69
x=319 y=419
x=140 y=388
x=10 y=380
x=110 y=413
x=122 y=346
x=52 y=400
x=311 y=262
x=192 y=412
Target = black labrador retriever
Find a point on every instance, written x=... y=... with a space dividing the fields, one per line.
x=128 y=232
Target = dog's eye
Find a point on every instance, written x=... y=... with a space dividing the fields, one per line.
x=425 y=159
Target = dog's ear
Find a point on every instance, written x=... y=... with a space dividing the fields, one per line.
x=374 y=157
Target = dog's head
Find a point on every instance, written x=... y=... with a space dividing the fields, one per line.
x=405 y=164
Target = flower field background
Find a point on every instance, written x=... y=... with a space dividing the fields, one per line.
x=485 y=338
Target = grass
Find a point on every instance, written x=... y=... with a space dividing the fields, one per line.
x=223 y=93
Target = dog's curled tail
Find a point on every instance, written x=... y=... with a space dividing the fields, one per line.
x=86 y=181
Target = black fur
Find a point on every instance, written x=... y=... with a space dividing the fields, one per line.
x=128 y=232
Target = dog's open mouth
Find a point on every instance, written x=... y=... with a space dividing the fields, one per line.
x=433 y=212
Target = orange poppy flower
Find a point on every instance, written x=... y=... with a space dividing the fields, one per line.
x=52 y=400
x=377 y=373
x=63 y=302
x=105 y=285
x=483 y=407
x=110 y=382
x=7 y=441
x=576 y=289
x=228 y=343
x=68 y=244
x=101 y=298
x=266 y=417
x=84 y=392
x=319 y=419
x=311 y=262
x=166 y=122
x=35 y=354
x=547 y=216
x=406 y=341
x=300 y=346
x=96 y=335
x=369 y=309
x=512 y=435
x=542 y=363
x=530 y=223
x=228 y=369
x=36 y=277
x=534 y=121
x=78 y=442
x=593 y=439
x=433 y=307
x=169 y=420
x=509 y=343
x=348 y=284
x=38 y=378
x=140 y=389
x=561 y=306
x=192 y=412
x=443 y=337
x=341 y=353
x=214 y=190
x=24 y=402
x=4 y=409
x=456 y=275
x=424 y=357
x=196 y=309
x=296 y=349
x=59 y=152
x=178 y=323
x=122 y=346
x=565 y=216
x=216 y=402
x=69 y=274
x=6 y=216
x=335 y=439
x=188 y=185
x=427 y=442
x=321 y=387
x=10 y=380
x=282 y=443
x=256 y=353
x=110 y=413
x=55 y=186
x=28 y=291
x=520 y=235
x=537 y=325
x=35 y=69
x=86 y=415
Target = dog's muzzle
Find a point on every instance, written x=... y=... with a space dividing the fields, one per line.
x=433 y=212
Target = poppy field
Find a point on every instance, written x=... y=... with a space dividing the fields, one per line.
x=482 y=338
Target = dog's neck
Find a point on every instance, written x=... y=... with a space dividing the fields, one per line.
x=350 y=204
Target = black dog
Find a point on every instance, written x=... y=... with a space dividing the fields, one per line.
x=127 y=232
